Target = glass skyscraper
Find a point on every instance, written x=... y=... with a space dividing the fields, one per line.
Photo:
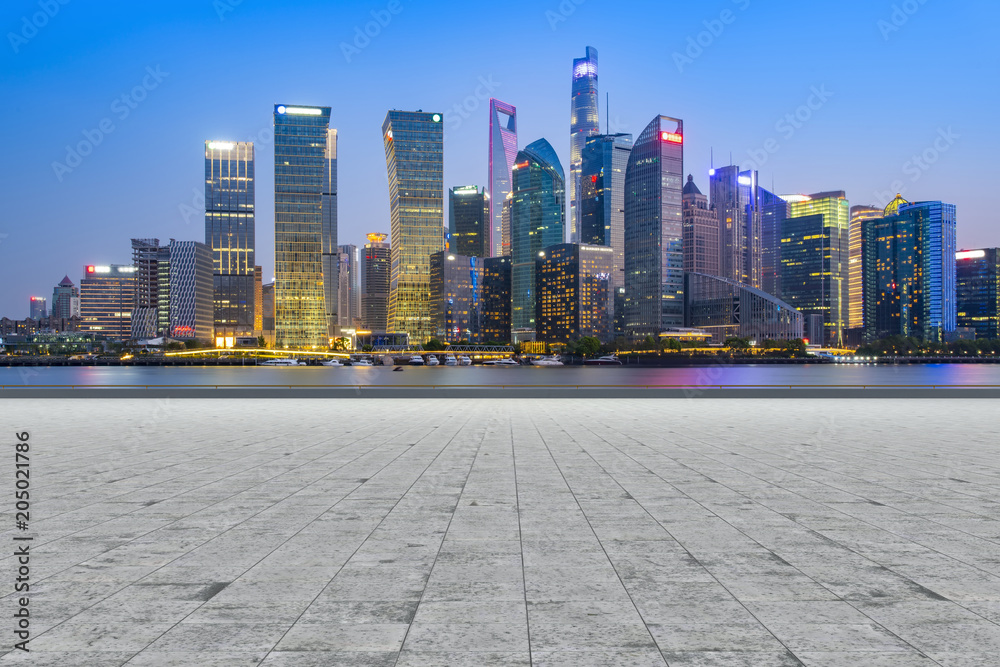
x=106 y=297
x=860 y=215
x=414 y=157
x=773 y=212
x=331 y=252
x=583 y=122
x=654 y=257
x=496 y=299
x=814 y=254
x=300 y=174
x=502 y=151
x=978 y=291
x=375 y=284
x=575 y=299
x=469 y=221
x=349 y=288
x=457 y=297
x=537 y=221
x=230 y=232
x=701 y=232
x=735 y=197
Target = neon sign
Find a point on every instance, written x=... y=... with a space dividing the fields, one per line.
x=672 y=137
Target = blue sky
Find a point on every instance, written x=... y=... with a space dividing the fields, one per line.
x=881 y=96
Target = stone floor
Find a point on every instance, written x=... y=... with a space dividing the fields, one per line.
x=560 y=532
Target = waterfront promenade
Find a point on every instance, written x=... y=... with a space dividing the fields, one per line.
x=723 y=533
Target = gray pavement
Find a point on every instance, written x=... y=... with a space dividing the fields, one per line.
x=518 y=532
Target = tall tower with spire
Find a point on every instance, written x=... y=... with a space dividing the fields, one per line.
x=583 y=122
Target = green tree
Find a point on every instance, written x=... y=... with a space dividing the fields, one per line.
x=735 y=343
x=588 y=346
x=367 y=347
x=261 y=341
x=192 y=344
x=433 y=345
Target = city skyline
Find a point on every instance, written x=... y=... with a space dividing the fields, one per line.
x=812 y=159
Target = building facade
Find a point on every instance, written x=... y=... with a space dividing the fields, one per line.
x=654 y=256
x=331 y=251
x=575 y=293
x=469 y=221
x=230 y=232
x=457 y=295
x=727 y=308
x=258 y=299
x=700 y=231
x=736 y=199
x=860 y=215
x=349 y=292
x=773 y=213
x=537 y=221
x=190 y=299
x=36 y=308
x=502 y=152
x=814 y=260
x=150 y=306
x=909 y=271
x=107 y=293
x=301 y=167
x=375 y=284
x=414 y=155
x=584 y=121
x=65 y=300
x=496 y=299
x=977 y=286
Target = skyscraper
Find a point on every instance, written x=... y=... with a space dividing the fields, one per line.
x=654 y=257
x=349 y=290
x=331 y=253
x=375 y=284
x=65 y=300
x=258 y=299
x=727 y=308
x=150 y=308
x=909 y=271
x=602 y=203
x=855 y=273
x=505 y=225
x=736 y=200
x=814 y=254
x=457 y=297
x=496 y=299
x=189 y=302
x=230 y=233
x=773 y=212
x=37 y=310
x=107 y=293
x=978 y=291
x=469 y=221
x=575 y=299
x=701 y=232
x=300 y=172
x=414 y=157
x=502 y=150
x=583 y=122
x=537 y=220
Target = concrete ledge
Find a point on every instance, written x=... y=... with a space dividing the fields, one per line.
x=500 y=391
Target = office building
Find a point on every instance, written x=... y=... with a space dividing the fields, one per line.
x=331 y=251
x=855 y=273
x=37 y=310
x=496 y=299
x=583 y=122
x=349 y=290
x=230 y=233
x=107 y=293
x=258 y=299
x=602 y=203
x=375 y=284
x=150 y=305
x=700 y=231
x=505 y=226
x=978 y=291
x=267 y=301
x=735 y=196
x=502 y=152
x=773 y=213
x=414 y=157
x=814 y=260
x=727 y=308
x=909 y=269
x=575 y=296
x=469 y=221
x=301 y=183
x=537 y=221
x=190 y=298
x=654 y=256
x=457 y=297
x=65 y=300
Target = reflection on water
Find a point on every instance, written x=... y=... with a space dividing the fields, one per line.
x=918 y=374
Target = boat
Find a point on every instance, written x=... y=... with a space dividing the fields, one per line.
x=362 y=362
x=332 y=362
x=607 y=360
x=280 y=362
x=553 y=360
x=416 y=360
x=432 y=360
x=450 y=360
x=464 y=360
x=501 y=362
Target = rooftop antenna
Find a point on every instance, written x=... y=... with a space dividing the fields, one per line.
x=711 y=158
x=607 y=112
